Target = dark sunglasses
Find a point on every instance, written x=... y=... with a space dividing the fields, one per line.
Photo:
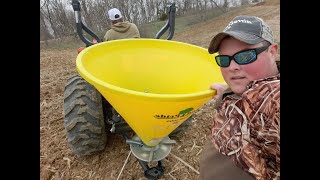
x=243 y=57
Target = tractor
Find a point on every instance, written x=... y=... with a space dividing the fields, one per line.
x=88 y=115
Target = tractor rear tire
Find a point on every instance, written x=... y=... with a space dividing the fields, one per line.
x=83 y=117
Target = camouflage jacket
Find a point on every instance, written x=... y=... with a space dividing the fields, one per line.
x=247 y=128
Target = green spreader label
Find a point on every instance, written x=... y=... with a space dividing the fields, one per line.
x=182 y=113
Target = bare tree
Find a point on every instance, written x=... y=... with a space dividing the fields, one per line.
x=44 y=32
x=218 y=6
x=86 y=14
x=225 y=5
x=244 y=2
x=57 y=21
x=143 y=13
x=47 y=14
x=61 y=19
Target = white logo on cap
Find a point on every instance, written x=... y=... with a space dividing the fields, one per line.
x=237 y=21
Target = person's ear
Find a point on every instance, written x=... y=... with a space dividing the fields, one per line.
x=273 y=49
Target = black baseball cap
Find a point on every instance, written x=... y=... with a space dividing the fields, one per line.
x=248 y=29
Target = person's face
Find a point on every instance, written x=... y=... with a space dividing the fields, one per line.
x=239 y=76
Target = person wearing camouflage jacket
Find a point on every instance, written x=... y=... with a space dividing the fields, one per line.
x=246 y=125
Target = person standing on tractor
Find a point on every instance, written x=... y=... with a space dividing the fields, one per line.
x=120 y=29
x=246 y=125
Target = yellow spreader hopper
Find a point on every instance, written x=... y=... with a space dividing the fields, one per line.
x=154 y=84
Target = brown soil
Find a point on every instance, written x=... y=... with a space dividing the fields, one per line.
x=56 y=159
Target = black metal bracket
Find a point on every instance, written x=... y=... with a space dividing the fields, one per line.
x=81 y=26
x=152 y=173
x=170 y=23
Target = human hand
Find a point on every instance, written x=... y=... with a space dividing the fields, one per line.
x=219 y=87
